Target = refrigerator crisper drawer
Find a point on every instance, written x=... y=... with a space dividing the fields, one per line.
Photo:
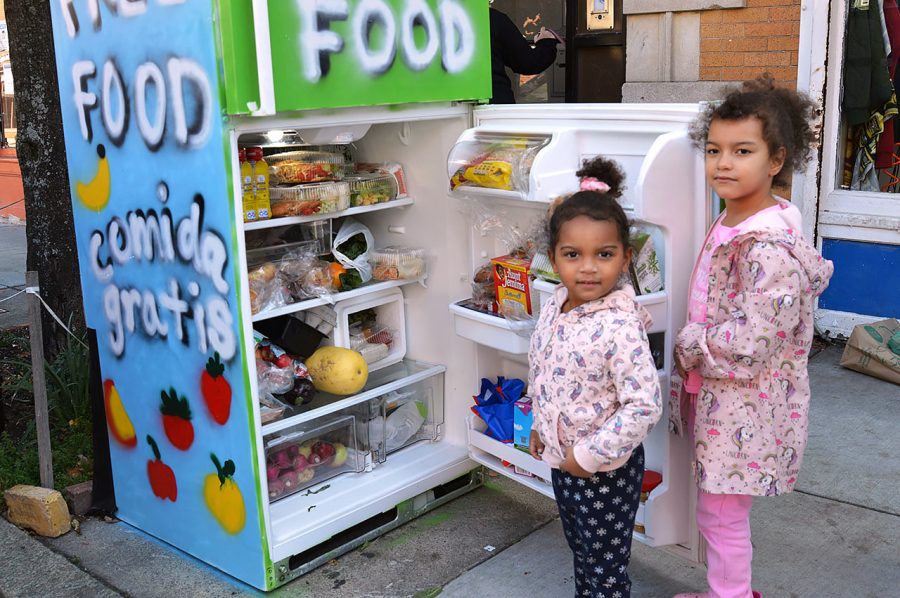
x=405 y=416
x=310 y=453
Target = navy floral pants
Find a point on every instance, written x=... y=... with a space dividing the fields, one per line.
x=598 y=518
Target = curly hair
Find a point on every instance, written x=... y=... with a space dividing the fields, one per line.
x=593 y=204
x=785 y=115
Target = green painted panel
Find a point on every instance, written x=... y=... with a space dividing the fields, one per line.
x=340 y=53
x=238 y=55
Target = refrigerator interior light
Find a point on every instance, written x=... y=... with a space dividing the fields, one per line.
x=275 y=135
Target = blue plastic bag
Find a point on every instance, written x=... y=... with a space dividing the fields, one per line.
x=494 y=404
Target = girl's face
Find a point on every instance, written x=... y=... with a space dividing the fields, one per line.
x=738 y=164
x=589 y=258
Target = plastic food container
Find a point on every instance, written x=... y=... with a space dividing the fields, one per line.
x=398 y=263
x=275 y=253
x=307 y=200
x=369 y=189
x=306 y=167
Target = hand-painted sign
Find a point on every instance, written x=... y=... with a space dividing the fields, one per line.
x=332 y=53
x=155 y=229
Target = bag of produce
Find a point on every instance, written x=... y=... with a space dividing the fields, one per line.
x=352 y=248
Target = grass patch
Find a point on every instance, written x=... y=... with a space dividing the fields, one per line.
x=68 y=401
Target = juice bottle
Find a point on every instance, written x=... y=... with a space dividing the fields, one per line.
x=260 y=182
x=247 y=197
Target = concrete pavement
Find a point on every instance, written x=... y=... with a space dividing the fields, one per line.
x=836 y=537
x=12 y=275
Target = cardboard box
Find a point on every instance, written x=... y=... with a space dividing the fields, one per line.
x=522 y=420
x=512 y=285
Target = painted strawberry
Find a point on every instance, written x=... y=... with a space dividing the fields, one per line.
x=216 y=390
x=177 y=420
x=161 y=476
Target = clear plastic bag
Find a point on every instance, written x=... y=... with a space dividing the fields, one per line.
x=349 y=229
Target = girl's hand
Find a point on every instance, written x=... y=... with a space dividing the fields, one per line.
x=679 y=368
x=535 y=446
x=571 y=466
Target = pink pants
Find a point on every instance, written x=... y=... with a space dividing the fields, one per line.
x=724 y=521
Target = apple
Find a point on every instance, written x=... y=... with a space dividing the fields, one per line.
x=340 y=454
x=276 y=488
x=289 y=478
x=300 y=463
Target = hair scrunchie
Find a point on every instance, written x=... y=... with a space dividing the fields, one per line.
x=589 y=183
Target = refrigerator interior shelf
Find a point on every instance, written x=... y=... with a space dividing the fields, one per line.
x=309 y=303
x=311 y=517
x=289 y=220
x=490 y=453
x=381 y=382
x=491 y=331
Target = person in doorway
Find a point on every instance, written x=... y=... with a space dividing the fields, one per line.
x=743 y=353
x=509 y=49
x=593 y=384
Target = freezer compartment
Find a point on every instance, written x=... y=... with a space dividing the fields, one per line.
x=491 y=330
x=492 y=453
x=311 y=452
x=495 y=161
x=406 y=416
x=374 y=325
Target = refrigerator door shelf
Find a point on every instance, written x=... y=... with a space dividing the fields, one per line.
x=290 y=220
x=368 y=289
x=494 y=163
x=382 y=382
x=491 y=331
x=655 y=303
x=491 y=453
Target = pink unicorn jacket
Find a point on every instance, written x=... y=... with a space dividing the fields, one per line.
x=751 y=414
x=592 y=380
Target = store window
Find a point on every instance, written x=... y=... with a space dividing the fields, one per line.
x=870 y=127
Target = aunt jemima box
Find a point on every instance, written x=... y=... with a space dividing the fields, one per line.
x=512 y=285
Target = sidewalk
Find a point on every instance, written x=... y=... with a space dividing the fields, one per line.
x=835 y=537
x=12 y=275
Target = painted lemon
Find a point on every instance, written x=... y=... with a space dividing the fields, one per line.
x=120 y=426
x=94 y=195
x=223 y=497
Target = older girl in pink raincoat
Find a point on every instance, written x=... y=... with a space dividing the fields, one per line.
x=743 y=353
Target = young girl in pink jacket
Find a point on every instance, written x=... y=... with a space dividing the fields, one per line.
x=594 y=386
x=743 y=353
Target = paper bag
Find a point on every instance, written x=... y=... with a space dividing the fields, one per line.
x=872 y=349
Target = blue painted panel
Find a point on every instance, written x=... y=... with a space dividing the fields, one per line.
x=156 y=235
x=866 y=278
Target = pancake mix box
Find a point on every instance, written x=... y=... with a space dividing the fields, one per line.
x=512 y=285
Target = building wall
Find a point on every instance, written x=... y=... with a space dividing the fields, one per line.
x=744 y=43
x=687 y=50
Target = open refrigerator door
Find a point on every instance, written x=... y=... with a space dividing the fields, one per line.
x=665 y=198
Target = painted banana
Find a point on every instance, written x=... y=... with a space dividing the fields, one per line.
x=94 y=195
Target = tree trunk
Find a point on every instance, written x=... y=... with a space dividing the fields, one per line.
x=42 y=157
